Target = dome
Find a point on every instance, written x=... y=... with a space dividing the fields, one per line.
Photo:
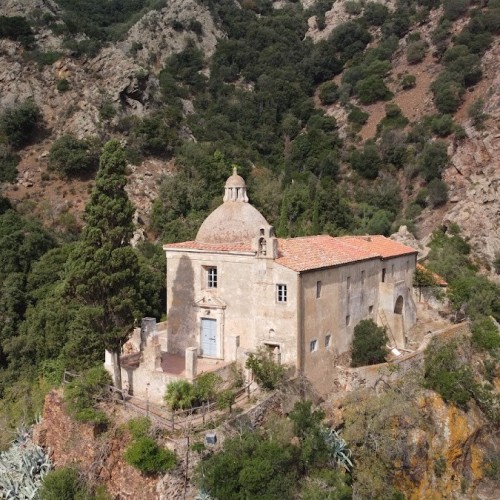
x=235 y=221
x=231 y=222
x=235 y=181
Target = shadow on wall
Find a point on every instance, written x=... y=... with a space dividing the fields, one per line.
x=182 y=330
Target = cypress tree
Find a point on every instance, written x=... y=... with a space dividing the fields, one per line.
x=103 y=272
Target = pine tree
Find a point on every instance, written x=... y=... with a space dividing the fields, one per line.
x=103 y=272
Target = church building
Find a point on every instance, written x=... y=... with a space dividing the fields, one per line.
x=238 y=287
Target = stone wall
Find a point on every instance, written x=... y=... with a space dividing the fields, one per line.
x=350 y=379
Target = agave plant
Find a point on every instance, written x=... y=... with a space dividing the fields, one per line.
x=22 y=468
x=340 y=454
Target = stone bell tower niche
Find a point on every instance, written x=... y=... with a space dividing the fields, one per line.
x=266 y=243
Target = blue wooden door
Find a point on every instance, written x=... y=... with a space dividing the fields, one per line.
x=209 y=337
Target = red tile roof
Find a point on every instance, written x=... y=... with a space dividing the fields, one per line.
x=210 y=247
x=381 y=245
x=314 y=252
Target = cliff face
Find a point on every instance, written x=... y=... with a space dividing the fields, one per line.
x=99 y=455
x=474 y=176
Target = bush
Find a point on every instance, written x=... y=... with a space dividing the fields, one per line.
x=16 y=28
x=372 y=89
x=145 y=455
x=353 y=8
x=442 y=125
x=415 y=51
x=368 y=344
x=205 y=387
x=84 y=391
x=438 y=192
x=139 y=427
x=8 y=164
x=485 y=335
x=375 y=13
x=446 y=374
x=267 y=372
x=476 y=114
x=69 y=155
x=62 y=85
x=328 y=93
x=357 y=116
x=63 y=484
x=408 y=82
x=19 y=123
x=433 y=160
x=366 y=162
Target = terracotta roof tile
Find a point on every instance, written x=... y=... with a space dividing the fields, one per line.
x=314 y=252
x=381 y=245
x=209 y=247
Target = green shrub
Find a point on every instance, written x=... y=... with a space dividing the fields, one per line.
x=206 y=386
x=44 y=58
x=366 y=162
x=442 y=125
x=393 y=118
x=476 y=114
x=8 y=164
x=453 y=9
x=226 y=399
x=438 y=192
x=62 y=85
x=139 y=427
x=267 y=372
x=16 y=28
x=372 y=89
x=63 y=484
x=357 y=116
x=69 y=155
x=84 y=391
x=375 y=13
x=446 y=374
x=433 y=160
x=353 y=8
x=485 y=335
x=19 y=123
x=328 y=93
x=408 y=81
x=415 y=51
x=145 y=455
x=368 y=344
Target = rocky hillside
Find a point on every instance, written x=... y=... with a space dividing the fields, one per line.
x=121 y=81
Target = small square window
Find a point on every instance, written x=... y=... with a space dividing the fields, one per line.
x=313 y=345
x=370 y=309
x=211 y=277
x=318 y=289
x=281 y=293
x=348 y=320
x=328 y=340
x=383 y=275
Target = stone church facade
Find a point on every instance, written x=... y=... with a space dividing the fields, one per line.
x=237 y=287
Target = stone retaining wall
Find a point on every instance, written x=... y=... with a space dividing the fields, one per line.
x=350 y=379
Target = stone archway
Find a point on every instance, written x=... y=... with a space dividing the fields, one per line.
x=398 y=307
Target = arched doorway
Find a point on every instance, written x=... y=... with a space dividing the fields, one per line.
x=398 y=308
